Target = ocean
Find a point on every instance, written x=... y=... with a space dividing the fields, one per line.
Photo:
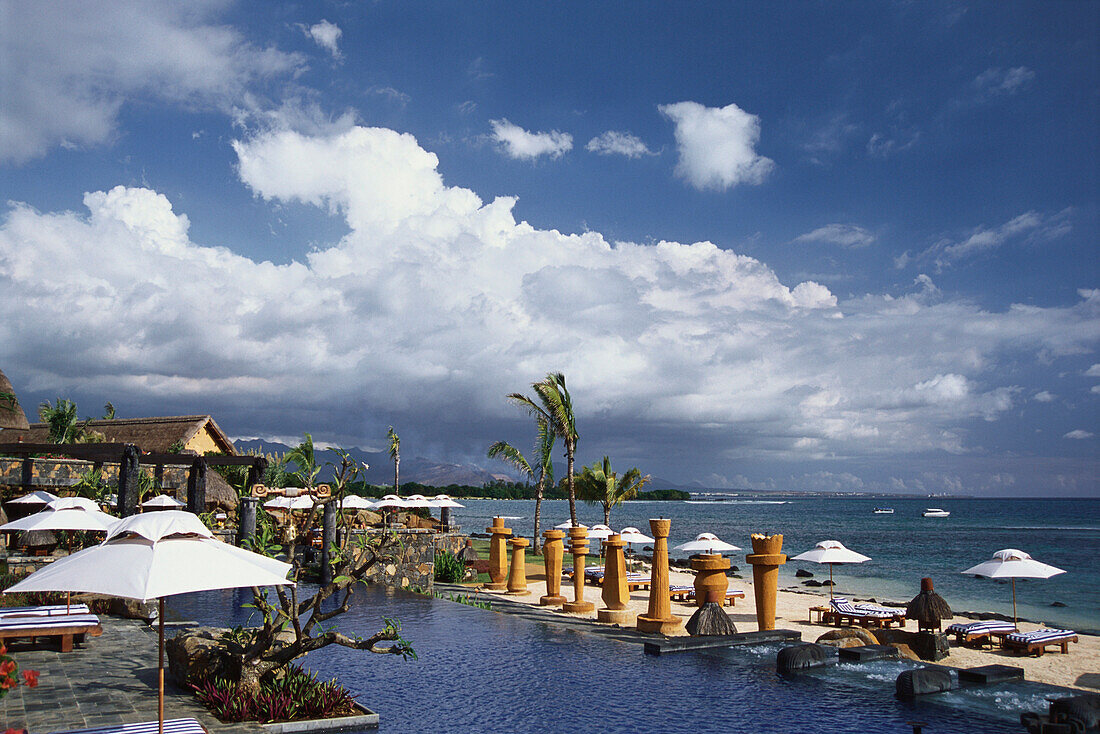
x=904 y=547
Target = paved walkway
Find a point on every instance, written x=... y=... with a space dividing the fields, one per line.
x=110 y=679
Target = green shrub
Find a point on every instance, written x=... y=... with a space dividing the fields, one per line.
x=449 y=568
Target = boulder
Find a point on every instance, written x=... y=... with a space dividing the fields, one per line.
x=811 y=583
x=922 y=681
x=905 y=651
x=198 y=653
x=118 y=607
x=800 y=657
x=828 y=582
x=927 y=645
x=833 y=637
x=1081 y=711
x=1058 y=604
x=803 y=574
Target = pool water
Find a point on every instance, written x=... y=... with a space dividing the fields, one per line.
x=486 y=671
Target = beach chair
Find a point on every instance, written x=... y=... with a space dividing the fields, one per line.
x=679 y=592
x=65 y=627
x=171 y=726
x=49 y=610
x=841 y=610
x=1037 y=641
x=979 y=632
x=732 y=595
x=635 y=581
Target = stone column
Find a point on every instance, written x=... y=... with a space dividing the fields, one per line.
x=710 y=581
x=552 y=552
x=659 y=618
x=614 y=594
x=517 y=574
x=247 y=519
x=498 y=555
x=578 y=546
x=196 y=487
x=128 y=469
x=766 y=559
x=328 y=537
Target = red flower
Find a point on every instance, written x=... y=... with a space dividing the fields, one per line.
x=3 y=651
x=6 y=683
x=7 y=667
x=16 y=731
x=30 y=678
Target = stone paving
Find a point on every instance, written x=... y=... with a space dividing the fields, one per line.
x=109 y=679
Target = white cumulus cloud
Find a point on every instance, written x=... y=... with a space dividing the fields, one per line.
x=521 y=144
x=614 y=142
x=995 y=80
x=327 y=36
x=717 y=145
x=1079 y=434
x=845 y=235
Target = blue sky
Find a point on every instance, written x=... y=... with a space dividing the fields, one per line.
x=820 y=246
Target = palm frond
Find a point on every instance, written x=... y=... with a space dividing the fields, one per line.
x=544 y=450
x=395 y=443
x=511 y=455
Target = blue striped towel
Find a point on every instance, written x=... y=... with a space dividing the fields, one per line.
x=44 y=611
x=1043 y=635
x=843 y=606
x=978 y=628
x=172 y=726
x=8 y=624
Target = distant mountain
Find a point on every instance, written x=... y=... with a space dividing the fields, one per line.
x=416 y=469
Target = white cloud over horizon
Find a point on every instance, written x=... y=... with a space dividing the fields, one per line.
x=327 y=36
x=515 y=142
x=844 y=235
x=436 y=298
x=614 y=142
x=717 y=145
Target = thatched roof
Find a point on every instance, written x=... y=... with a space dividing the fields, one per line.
x=149 y=434
x=219 y=492
x=928 y=607
x=11 y=416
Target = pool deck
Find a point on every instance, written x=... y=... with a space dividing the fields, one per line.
x=109 y=679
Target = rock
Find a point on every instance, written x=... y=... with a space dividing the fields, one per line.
x=803 y=574
x=117 y=607
x=1082 y=712
x=828 y=582
x=800 y=657
x=922 y=681
x=1057 y=604
x=197 y=653
x=926 y=645
x=832 y=636
x=811 y=582
x=905 y=651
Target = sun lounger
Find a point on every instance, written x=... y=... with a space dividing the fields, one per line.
x=51 y=610
x=171 y=726
x=979 y=632
x=841 y=610
x=1037 y=641
x=64 y=627
x=732 y=595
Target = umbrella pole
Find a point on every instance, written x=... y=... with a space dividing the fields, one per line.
x=160 y=665
x=1014 y=622
x=830 y=582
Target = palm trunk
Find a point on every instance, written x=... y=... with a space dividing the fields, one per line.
x=535 y=544
x=569 y=448
x=396 y=476
x=607 y=515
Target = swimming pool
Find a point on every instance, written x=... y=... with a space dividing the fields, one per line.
x=485 y=671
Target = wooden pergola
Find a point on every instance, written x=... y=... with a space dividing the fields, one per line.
x=130 y=460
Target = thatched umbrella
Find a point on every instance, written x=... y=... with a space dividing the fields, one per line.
x=710 y=619
x=11 y=415
x=928 y=607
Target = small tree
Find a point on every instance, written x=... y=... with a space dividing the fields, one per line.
x=555 y=407
x=543 y=472
x=598 y=485
x=395 y=454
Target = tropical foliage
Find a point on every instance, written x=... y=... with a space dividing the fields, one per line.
x=542 y=473
x=555 y=407
x=449 y=568
x=297 y=695
x=395 y=454
x=599 y=485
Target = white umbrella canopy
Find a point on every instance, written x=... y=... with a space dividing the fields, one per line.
x=417 y=500
x=163 y=500
x=1011 y=563
x=442 y=500
x=303 y=502
x=355 y=502
x=391 y=501
x=38 y=497
x=154 y=555
x=568 y=524
x=831 y=552
x=706 y=543
x=65 y=514
x=600 y=532
x=634 y=535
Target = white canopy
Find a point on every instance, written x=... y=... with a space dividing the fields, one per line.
x=391 y=501
x=706 y=543
x=355 y=502
x=568 y=524
x=600 y=532
x=38 y=497
x=417 y=500
x=302 y=502
x=66 y=513
x=163 y=500
x=831 y=551
x=442 y=500
x=1013 y=564
x=634 y=535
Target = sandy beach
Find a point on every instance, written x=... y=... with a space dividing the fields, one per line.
x=1080 y=668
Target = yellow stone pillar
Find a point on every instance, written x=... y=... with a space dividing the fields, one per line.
x=498 y=555
x=517 y=574
x=766 y=559
x=710 y=580
x=552 y=552
x=578 y=546
x=659 y=618
x=614 y=594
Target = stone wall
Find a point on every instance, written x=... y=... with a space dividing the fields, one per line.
x=56 y=474
x=414 y=562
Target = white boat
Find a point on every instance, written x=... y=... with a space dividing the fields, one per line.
x=883 y=511
x=935 y=512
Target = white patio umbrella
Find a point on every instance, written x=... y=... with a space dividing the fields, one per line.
x=442 y=500
x=37 y=497
x=156 y=555
x=390 y=501
x=67 y=513
x=303 y=502
x=831 y=552
x=706 y=543
x=633 y=535
x=568 y=524
x=355 y=502
x=600 y=532
x=163 y=501
x=418 y=500
x=1013 y=564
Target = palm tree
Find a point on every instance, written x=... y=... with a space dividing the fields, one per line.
x=597 y=484
x=543 y=473
x=304 y=458
x=62 y=420
x=555 y=407
x=395 y=454
x=109 y=412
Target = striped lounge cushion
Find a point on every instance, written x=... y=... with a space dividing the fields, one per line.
x=979 y=628
x=846 y=607
x=14 y=624
x=44 y=611
x=873 y=608
x=679 y=589
x=1043 y=635
x=171 y=726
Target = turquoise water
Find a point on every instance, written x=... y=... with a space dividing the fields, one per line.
x=903 y=547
